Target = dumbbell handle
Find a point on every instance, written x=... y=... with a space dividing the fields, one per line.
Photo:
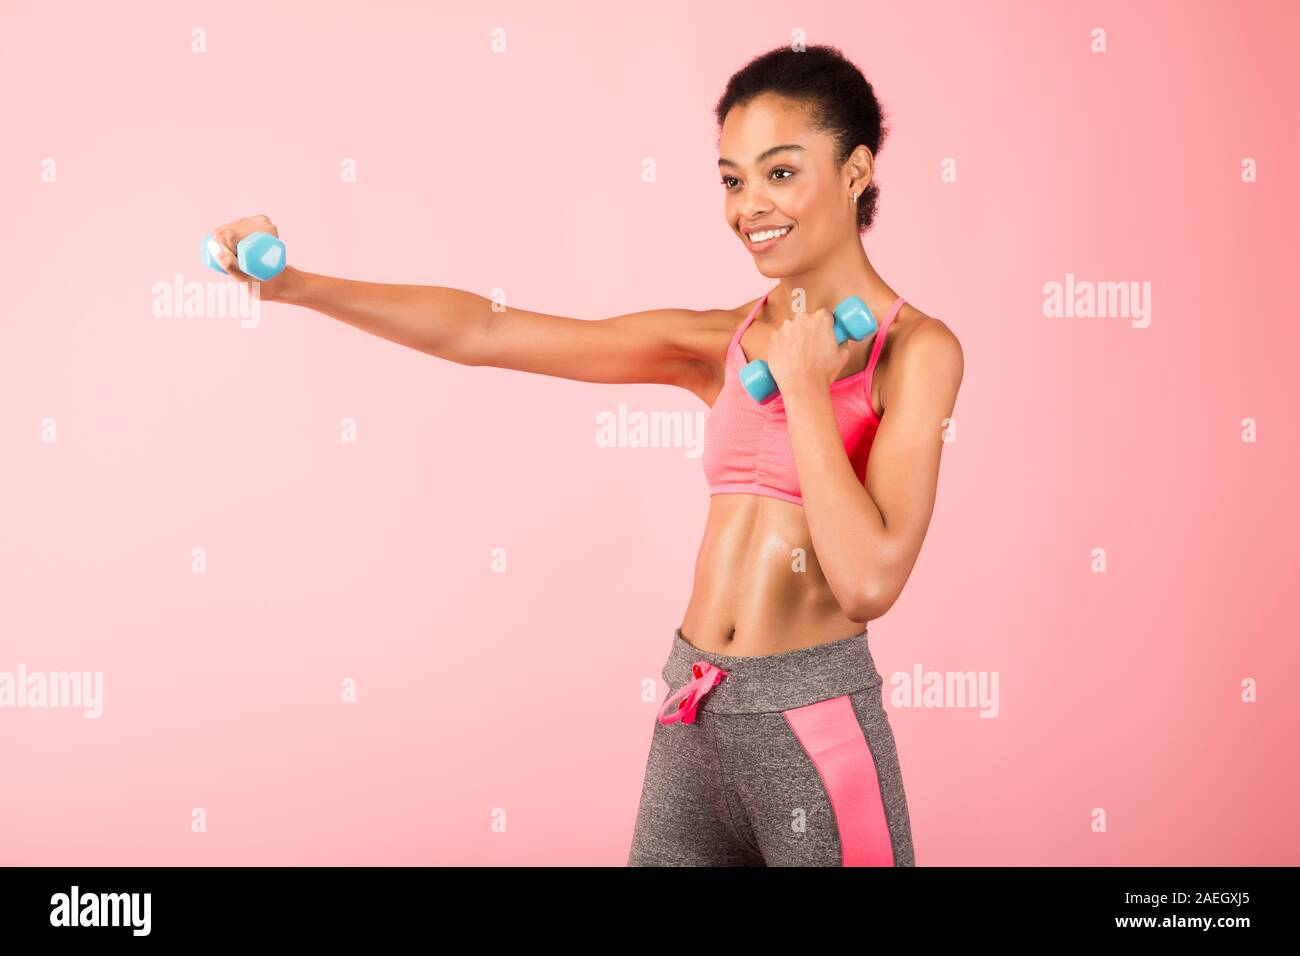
x=853 y=320
x=260 y=255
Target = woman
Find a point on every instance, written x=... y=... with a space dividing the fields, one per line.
x=773 y=747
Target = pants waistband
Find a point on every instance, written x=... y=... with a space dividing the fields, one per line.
x=728 y=684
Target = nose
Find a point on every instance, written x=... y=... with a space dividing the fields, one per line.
x=753 y=207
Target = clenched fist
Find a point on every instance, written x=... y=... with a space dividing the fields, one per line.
x=227 y=238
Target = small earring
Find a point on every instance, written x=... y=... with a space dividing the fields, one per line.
x=853 y=198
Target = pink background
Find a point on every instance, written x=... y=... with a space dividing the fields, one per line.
x=522 y=690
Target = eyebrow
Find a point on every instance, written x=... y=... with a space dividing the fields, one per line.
x=763 y=155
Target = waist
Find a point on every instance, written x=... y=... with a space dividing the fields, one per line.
x=769 y=683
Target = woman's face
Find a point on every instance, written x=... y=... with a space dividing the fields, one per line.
x=798 y=188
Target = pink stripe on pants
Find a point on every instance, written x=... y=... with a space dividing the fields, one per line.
x=832 y=737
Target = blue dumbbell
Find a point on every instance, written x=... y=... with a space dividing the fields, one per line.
x=260 y=255
x=853 y=320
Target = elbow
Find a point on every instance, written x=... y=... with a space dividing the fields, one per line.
x=862 y=611
x=872 y=601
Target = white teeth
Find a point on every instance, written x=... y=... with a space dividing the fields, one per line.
x=769 y=234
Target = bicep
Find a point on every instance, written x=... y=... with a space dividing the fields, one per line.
x=658 y=346
x=903 y=469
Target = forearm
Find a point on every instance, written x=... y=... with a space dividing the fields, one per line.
x=844 y=522
x=445 y=322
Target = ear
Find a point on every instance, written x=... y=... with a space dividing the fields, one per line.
x=861 y=168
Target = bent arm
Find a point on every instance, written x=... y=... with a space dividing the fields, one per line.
x=665 y=346
x=868 y=535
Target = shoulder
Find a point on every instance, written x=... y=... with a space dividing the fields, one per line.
x=695 y=333
x=925 y=352
x=931 y=338
x=732 y=319
x=710 y=324
x=704 y=338
x=715 y=328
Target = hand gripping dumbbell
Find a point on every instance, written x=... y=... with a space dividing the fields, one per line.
x=260 y=254
x=853 y=320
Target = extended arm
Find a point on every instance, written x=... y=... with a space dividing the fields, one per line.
x=665 y=346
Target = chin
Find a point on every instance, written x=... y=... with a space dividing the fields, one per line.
x=772 y=270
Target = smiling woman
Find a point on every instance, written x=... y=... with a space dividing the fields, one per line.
x=819 y=499
x=798 y=134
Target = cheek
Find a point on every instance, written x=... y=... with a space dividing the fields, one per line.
x=796 y=202
x=808 y=204
x=818 y=212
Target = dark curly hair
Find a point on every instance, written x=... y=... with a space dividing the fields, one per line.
x=838 y=98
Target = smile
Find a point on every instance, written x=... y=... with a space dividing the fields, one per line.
x=767 y=238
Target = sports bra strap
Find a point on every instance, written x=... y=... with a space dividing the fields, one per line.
x=877 y=347
x=735 y=339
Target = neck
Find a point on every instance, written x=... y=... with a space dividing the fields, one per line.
x=847 y=272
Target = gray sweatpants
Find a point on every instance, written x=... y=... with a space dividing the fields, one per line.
x=784 y=759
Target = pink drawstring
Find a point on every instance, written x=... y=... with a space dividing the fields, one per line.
x=706 y=678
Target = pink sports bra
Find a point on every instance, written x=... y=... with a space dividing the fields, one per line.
x=746 y=445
